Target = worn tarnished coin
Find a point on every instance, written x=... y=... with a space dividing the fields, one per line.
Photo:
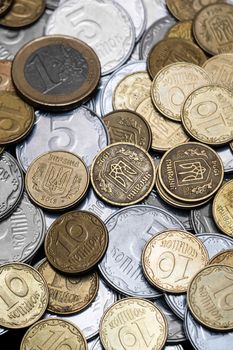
x=131 y=91
x=133 y=322
x=24 y=295
x=220 y=69
x=56 y=72
x=207 y=115
x=223 y=258
x=128 y=126
x=172 y=85
x=57 y=180
x=223 y=208
x=53 y=333
x=6 y=83
x=209 y=297
x=172 y=50
x=76 y=242
x=171 y=258
x=5 y=6
x=67 y=294
x=123 y=174
x=182 y=30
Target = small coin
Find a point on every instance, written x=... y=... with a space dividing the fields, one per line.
x=128 y=126
x=123 y=174
x=57 y=180
x=223 y=209
x=5 y=6
x=172 y=50
x=23 y=13
x=76 y=242
x=208 y=295
x=50 y=333
x=182 y=30
x=133 y=321
x=223 y=258
x=6 y=83
x=24 y=295
x=220 y=69
x=56 y=72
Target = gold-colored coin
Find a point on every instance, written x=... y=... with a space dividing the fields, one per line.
x=182 y=30
x=220 y=69
x=76 y=242
x=131 y=91
x=133 y=323
x=24 y=295
x=173 y=84
x=208 y=115
x=210 y=297
x=223 y=208
x=123 y=174
x=6 y=83
x=223 y=258
x=165 y=133
x=128 y=126
x=53 y=334
x=57 y=180
x=68 y=295
x=171 y=259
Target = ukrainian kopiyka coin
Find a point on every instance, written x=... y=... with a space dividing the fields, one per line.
x=223 y=258
x=11 y=184
x=182 y=30
x=76 y=242
x=5 y=6
x=91 y=21
x=121 y=265
x=57 y=180
x=24 y=295
x=79 y=131
x=155 y=9
x=128 y=126
x=97 y=346
x=116 y=325
x=6 y=83
x=123 y=174
x=56 y=72
x=220 y=69
x=226 y=154
x=62 y=333
x=202 y=219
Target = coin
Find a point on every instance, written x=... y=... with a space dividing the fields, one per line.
x=76 y=242
x=52 y=4
x=172 y=85
x=155 y=10
x=133 y=321
x=202 y=219
x=223 y=258
x=59 y=333
x=172 y=50
x=182 y=30
x=123 y=174
x=5 y=6
x=97 y=346
x=226 y=154
x=208 y=295
x=128 y=126
x=6 y=83
x=220 y=69
x=56 y=72
x=57 y=180
x=231 y=145
x=223 y=210
x=24 y=295
x=68 y=295
x=23 y=13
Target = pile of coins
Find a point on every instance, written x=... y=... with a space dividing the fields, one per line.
x=116 y=174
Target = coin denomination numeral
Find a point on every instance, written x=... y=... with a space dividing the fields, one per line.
x=16 y=286
x=225 y=295
x=135 y=339
x=65 y=137
x=23 y=8
x=54 y=342
x=166 y=265
x=177 y=96
x=206 y=111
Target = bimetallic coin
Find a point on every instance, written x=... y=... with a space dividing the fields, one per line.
x=202 y=219
x=6 y=83
x=223 y=258
x=182 y=30
x=5 y=6
x=220 y=69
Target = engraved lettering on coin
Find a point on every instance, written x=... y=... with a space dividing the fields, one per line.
x=220 y=69
x=6 y=83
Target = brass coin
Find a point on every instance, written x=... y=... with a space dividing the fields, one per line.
x=171 y=259
x=24 y=295
x=220 y=69
x=5 y=6
x=131 y=91
x=209 y=297
x=172 y=50
x=213 y=28
x=191 y=172
x=173 y=84
x=133 y=323
x=23 y=13
x=6 y=83
x=128 y=126
x=165 y=133
x=223 y=258
x=68 y=295
x=16 y=118
x=182 y=30
x=223 y=208
x=57 y=180
x=56 y=72
x=53 y=334
x=76 y=242
x=123 y=174
x=208 y=115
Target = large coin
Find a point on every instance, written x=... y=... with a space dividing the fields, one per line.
x=223 y=258
x=220 y=69
x=5 y=6
x=6 y=83
x=98 y=346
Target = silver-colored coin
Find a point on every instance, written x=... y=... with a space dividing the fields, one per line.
x=129 y=230
x=203 y=338
x=88 y=320
x=90 y=104
x=104 y=25
x=135 y=54
x=3 y=331
x=155 y=10
x=79 y=131
x=214 y=243
x=11 y=184
x=97 y=346
x=154 y=34
x=226 y=155
x=202 y=219
x=97 y=96
x=52 y=4
x=5 y=53
x=115 y=78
